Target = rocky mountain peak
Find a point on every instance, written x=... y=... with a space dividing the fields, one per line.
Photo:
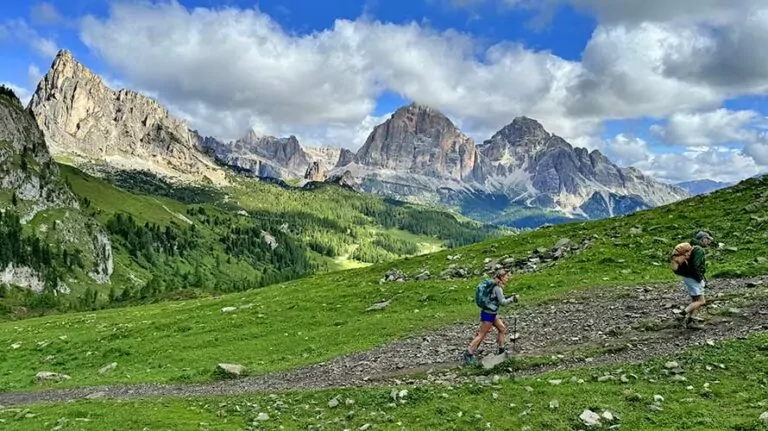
x=419 y=140
x=84 y=119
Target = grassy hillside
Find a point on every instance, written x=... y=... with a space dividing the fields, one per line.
x=323 y=316
x=728 y=396
x=173 y=242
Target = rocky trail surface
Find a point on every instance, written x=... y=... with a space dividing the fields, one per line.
x=617 y=325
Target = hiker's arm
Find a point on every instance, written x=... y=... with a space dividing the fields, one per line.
x=500 y=296
x=699 y=264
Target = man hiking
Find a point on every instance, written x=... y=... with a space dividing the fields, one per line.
x=489 y=296
x=690 y=264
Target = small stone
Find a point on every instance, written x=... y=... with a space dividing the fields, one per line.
x=402 y=394
x=333 y=403
x=107 y=368
x=365 y=427
x=590 y=418
x=671 y=364
x=658 y=398
x=228 y=309
x=555 y=382
x=608 y=416
x=350 y=402
x=624 y=378
x=230 y=370
x=15 y=346
x=378 y=306
x=529 y=389
x=679 y=378
x=262 y=417
x=655 y=407
x=764 y=417
x=605 y=378
x=48 y=375
x=554 y=404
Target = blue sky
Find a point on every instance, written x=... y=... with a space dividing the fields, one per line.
x=660 y=87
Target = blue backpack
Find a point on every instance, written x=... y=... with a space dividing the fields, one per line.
x=483 y=295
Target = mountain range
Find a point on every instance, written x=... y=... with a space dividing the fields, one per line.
x=416 y=155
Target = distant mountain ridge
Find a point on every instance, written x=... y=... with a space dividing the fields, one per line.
x=700 y=187
x=417 y=155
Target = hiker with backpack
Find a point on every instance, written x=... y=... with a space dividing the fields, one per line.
x=489 y=296
x=689 y=262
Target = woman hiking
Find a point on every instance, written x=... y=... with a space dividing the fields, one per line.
x=489 y=296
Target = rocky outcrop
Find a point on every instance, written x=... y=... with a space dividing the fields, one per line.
x=261 y=156
x=420 y=140
x=315 y=172
x=27 y=171
x=346 y=180
x=345 y=158
x=33 y=181
x=84 y=119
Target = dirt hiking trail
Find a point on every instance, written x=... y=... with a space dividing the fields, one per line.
x=615 y=325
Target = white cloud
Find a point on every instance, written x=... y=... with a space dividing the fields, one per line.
x=34 y=75
x=227 y=70
x=627 y=150
x=19 y=30
x=712 y=163
x=45 y=13
x=717 y=127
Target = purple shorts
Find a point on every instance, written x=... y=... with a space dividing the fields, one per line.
x=487 y=317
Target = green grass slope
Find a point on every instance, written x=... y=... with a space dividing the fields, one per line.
x=316 y=318
x=172 y=242
x=725 y=388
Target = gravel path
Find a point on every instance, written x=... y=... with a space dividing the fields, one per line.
x=640 y=320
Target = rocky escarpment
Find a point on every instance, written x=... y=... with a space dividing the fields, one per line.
x=84 y=119
x=31 y=185
x=315 y=172
x=28 y=174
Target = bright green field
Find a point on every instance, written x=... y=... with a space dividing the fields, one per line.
x=731 y=397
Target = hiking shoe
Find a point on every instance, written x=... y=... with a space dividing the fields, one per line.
x=692 y=324
x=502 y=351
x=468 y=358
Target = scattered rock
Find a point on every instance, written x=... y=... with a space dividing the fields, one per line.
x=48 y=375
x=394 y=275
x=554 y=404
x=764 y=417
x=333 y=403
x=635 y=231
x=423 y=276
x=95 y=395
x=365 y=427
x=608 y=416
x=262 y=417
x=107 y=368
x=658 y=398
x=230 y=370
x=378 y=306
x=671 y=364
x=590 y=418
x=228 y=309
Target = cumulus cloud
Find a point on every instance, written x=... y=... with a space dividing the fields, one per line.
x=241 y=62
x=717 y=127
x=227 y=70
x=19 y=31
x=45 y=13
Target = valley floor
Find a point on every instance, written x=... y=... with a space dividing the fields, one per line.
x=597 y=327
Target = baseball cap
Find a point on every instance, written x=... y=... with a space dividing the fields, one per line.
x=701 y=235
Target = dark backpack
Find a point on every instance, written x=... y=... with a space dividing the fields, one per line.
x=679 y=257
x=484 y=293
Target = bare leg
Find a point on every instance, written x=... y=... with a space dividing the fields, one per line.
x=696 y=303
x=502 y=329
x=484 y=328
